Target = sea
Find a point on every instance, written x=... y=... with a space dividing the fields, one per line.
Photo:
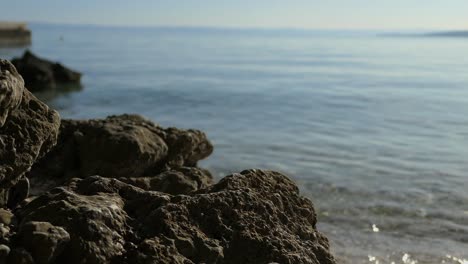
x=372 y=125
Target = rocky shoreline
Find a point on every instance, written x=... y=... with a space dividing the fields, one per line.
x=125 y=190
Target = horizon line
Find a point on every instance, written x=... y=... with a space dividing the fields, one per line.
x=230 y=27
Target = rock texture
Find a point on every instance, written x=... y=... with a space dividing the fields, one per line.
x=150 y=202
x=251 y=217
x=42 y=240
x=11 y=89
x=28 y=130
x=126 y=146
x=40 y=74
x=181 y=180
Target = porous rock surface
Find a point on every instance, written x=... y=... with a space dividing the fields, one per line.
x=28 y=130
x=11 y=89
x=150 y=204
x=40 y=74
x=43 y=241
x=252 y=217
x=179 y=180
x=126 y=146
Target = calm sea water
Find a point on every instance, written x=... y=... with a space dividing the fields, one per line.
x=374 y=129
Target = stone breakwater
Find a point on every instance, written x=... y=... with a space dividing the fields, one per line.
x=14 y=34
x=125 y=190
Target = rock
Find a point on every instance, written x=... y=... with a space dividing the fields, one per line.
x=40 y=74
x=186 y=147
x=29 y=129
x=4 y=251
x=20 y=256
x=181 y=180
x=252 y=217
x=18 y=193
x=150 y=204
x=5 y=216
x=43 y=240
x=157 y=250
x=116 y=147
x=4 y=233
x=121 y=146
x=11 y=89
x=97 y=224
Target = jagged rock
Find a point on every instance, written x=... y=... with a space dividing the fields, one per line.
x=161 y=209
x=42 y=240
x=180 y=180
x=121 y=146
x=97 y=224
x=5 y=216
x=28 y=129
x=157 y=250
x=115 y=147
x=251 y=217
x=11 y=89
x=40 y=74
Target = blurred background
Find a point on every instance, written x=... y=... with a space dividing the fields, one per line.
x=364 y=103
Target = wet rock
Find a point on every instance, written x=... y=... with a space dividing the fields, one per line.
x=43 y=240
x=28 y=130
x=40 y=74
x=120 y=146
x=251 y=217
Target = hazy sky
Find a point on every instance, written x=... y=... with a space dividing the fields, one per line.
x=342 y=14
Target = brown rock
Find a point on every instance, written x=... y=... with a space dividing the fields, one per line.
x=5 y=216
x=11 y=89
x=251 y=217
x=122 y=146
x=182 y=180
x=96 y=224
x=29 y=129
x=20 y=256
x=43 y=240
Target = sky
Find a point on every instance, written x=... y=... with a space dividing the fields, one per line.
x=307 y=14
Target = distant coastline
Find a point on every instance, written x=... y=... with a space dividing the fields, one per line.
x=435 y=34
x=454 y=34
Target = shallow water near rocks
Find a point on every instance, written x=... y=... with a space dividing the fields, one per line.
x=374 y=129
